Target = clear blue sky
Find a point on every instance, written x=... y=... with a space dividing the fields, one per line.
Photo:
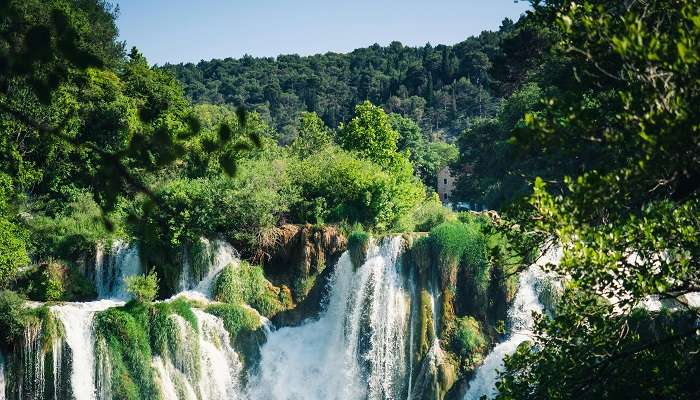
x=181 y=31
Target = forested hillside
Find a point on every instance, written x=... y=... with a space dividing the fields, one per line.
x=440 y=87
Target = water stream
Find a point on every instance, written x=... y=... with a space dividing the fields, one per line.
x=520 y=321
x=357 y=349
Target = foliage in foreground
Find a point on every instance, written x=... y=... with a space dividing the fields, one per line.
x=628 y=220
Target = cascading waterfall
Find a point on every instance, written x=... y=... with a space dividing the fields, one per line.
x=111 y=267
x=520 y=321
x=215 y=256
x=83 y=376
x=77 y=320
x=205 y=366
x=357 y=349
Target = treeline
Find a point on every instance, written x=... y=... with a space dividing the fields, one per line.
x=439 y=87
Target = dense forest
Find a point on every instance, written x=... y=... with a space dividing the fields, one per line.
x=441 y=88
x=267 y=227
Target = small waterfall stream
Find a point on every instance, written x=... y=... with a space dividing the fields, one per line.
x=112 y=266
x=357 y=349
x=2 y=377
x=521 y=323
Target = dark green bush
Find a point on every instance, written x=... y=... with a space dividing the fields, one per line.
x=468 y=341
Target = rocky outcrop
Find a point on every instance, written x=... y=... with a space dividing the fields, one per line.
x=299 y=258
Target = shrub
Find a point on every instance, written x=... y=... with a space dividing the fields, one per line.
x=71 y=233
x=13 y=253
x=467 y=340
x=336 y=186
x=428 y=215
x=456 y=244
x=246 y=283
x=236 y=317
x=358 y=244
x=143 y=288
x=53 y=277
x=13 y=317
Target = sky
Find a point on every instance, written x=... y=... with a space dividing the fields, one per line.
x=189 y=31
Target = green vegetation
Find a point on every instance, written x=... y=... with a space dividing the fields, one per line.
x=358 y=244
x=439 y=87
x=468 y=341
x=125 y=335
x=13 y=317
x=459 y=245
x=605 y=119
x=246 y=284
x=143 y=288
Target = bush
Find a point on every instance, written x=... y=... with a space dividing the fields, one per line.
x=358 y=244
x=13 y=253
x=76 y=230
x=144 y=288
x=55 y=281
x=455 y=244
x=336 y=186
x=246 y=283
x=236 y=318
x=428 y=215
x=467 y=340
x=13 y=317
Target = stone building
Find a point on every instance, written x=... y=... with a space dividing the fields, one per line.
x=446 y=184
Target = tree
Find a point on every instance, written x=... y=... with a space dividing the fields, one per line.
x=13 y=251
x=370 y=134
x=313 y=134
x=627 y=221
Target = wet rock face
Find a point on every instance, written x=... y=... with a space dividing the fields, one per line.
x=299 y=254
x=297 y=259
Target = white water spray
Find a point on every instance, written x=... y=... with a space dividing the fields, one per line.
x=357 y=347
x=2 y=377
x=222 y=254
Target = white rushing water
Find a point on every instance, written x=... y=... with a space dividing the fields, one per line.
x=357 y=349
x=220 y=254
x=205 y=366
x=77 y=320
x=2 y=377
x=111 y=267
x=521 y=324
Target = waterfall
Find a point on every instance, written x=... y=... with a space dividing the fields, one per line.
x=120 y=261
x=219 y=362
x=77 y=320
x=356 y=349
x=521 y=323
x=208 y=368
x=213 y=257
x=2 y=377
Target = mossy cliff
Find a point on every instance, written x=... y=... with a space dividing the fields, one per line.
x=461 y=293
